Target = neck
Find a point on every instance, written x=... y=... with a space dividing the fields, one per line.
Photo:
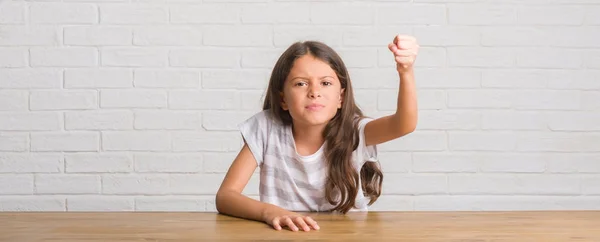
x=308 y=138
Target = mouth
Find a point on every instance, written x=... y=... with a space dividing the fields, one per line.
x=315 y=107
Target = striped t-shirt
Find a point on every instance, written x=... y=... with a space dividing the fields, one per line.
x=289 y=180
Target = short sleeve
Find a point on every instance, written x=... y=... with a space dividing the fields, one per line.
x=365 y=153
x=255 y=132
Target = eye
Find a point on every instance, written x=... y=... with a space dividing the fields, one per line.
x=327 y=83
x=299 y=84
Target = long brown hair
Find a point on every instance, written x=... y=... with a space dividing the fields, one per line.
x=341 y=187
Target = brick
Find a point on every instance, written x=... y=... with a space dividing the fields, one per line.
x=233 y=79
x=165 y=163
x=590 y=100
x=276 y=12
x=16 y=184
x=63 y=13
x=206 y=14
x=379 y=35
x=168 y=120
x=253 y=36
x=558 y=141
x=67 y=184
x=209 y=100
x=480 y=57
x=573 y=121
x=428 y=57
x=415 y=184
x=448 y=120
x=575 y=36
x=481 y=14
x=504 y=203
x=98 y=163
x=97 y=35
x=126 y=13
x=561 y=15
x=427 y=99
x=133 y=99
x=550 y=58
x=30 y=163
x=365 y=99
x=513 y=120
x=417 y=141
x=523 y=184
x=512 y=163
x=30 y=121
x=260 y=58
x=346 y=13
x=135 y=184
x=445 y=162
x=15 y=35
x=547 y=100
x=395 y=162
x=254 y=100
x=284 y=36
x=417 y=14
x=14 y=141
x=592 y=59
x=515 y=36
x=218 y=162
x=166 y=78
x=63 y=100
x=32 y=203
x=65 y=141
x=359 y=58
x=168 y=36
x=223 y=120
x=571 y=162
x=136 y=141
x=134 y=57
x=590 y=185
x=574 y=80
x=448 y=78
x=63 y=57
x=370 y=78
x=100 y=204
x=433 y=35
x=98 y=78
x=188 y=183
x=518 y=78
x=206 y=141
x=205 y=58
x=12 y=12
x=13 y=57
x=99 y=120
x=14 y=100
x=393 y=203
x=482 y=141
x=481 y=98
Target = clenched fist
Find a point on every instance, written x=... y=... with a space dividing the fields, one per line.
x=405 y=50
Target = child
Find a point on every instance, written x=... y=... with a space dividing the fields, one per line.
x=315 y=149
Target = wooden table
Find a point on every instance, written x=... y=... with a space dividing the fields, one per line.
x=373 y=226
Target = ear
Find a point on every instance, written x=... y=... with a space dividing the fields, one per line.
x=341 y=98
x=283 y=104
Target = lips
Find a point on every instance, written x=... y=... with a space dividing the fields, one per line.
x=315 y=107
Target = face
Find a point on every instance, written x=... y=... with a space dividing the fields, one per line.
x=312 y=92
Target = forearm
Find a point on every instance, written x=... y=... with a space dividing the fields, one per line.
x=238 y=205
x=406 y=110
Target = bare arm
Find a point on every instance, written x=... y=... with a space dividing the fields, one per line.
x=404 y=121
x=231 y=201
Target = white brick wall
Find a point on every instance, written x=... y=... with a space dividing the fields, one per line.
x=133 y=105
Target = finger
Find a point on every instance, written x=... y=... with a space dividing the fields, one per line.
x=404 y=60
x=290 y=224
x=311 y=222
x=406 y=44
x=404 y=53
x=276 y=223
x=300 y=222
x=399 y=37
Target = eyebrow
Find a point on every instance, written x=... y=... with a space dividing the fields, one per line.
x=301 y=77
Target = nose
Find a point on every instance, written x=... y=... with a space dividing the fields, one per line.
x=314 y=92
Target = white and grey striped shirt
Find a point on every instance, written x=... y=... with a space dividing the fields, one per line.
x=287 y=179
